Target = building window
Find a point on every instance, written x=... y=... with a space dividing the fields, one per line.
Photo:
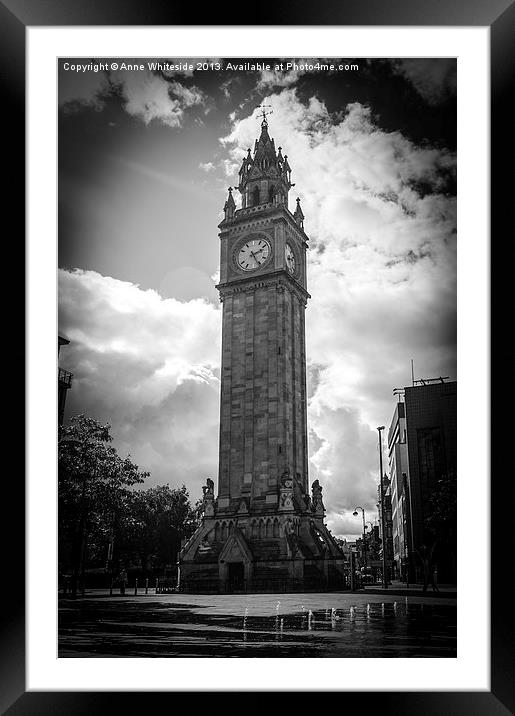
x=431 y=460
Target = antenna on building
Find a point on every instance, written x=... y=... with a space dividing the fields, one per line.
x=412 y=374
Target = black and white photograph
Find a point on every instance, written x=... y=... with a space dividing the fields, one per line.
x=257 y=357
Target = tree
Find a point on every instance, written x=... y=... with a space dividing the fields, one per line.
x=440 y=523
x=161 y=518
x=441 y=519
x=93 y=491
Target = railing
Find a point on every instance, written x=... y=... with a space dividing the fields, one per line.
x=65 y=377
x=253 y=209
x=263 y=585
x=258 y=208
x=166 y=585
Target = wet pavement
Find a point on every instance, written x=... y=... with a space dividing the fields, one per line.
x=257 y=625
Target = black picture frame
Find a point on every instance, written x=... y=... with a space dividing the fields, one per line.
x=15 y=17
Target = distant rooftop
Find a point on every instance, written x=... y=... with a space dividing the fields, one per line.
x=430 y=381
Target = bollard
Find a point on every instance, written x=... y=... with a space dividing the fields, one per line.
x=146 y=586
x=135 y=587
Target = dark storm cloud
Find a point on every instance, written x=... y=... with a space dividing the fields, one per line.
x=434 y=79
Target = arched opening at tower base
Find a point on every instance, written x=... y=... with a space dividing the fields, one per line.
x=264 y=551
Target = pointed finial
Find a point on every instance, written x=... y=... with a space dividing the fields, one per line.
x=299 y=214
x=229 y=206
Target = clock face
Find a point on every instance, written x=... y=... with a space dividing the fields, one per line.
x=290 y=258
x=253 y=254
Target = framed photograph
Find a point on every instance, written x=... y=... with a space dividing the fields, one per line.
x=144 y=144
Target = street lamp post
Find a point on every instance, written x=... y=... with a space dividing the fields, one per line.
x=407 y=528
x=381 y=492
x=370 y=551
x=355 y=513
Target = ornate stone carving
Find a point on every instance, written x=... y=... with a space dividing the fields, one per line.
x=279 y=282
x=286 y=479
x=286 y=492
x=317 y=502
x=209 y=496
x=204 y=546
x=291 y=537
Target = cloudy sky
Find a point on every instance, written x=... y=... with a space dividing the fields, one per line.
x=145 y=159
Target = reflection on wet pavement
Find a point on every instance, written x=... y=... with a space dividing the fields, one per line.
x=151 y=627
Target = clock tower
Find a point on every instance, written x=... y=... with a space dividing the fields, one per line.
x=264 y=531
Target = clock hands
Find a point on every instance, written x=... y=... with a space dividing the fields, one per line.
x=289 y=256
x=257 y=252
x=254 y=251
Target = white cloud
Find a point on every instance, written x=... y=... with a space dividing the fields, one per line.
x=277 y=78
x=382 y=275
x=145 y=95
x=150 y=367
x=207 y=166
x=229 y=167
x=189 y=96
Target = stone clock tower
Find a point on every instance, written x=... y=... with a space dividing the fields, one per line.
x=264 y=531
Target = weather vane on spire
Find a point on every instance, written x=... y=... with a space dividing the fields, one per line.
x=264 y=112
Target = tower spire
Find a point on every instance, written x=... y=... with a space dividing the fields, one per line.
x=299 y=215
x=229 y=206
x=265 y=175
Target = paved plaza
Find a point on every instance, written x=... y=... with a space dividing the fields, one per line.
x=257 y=625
